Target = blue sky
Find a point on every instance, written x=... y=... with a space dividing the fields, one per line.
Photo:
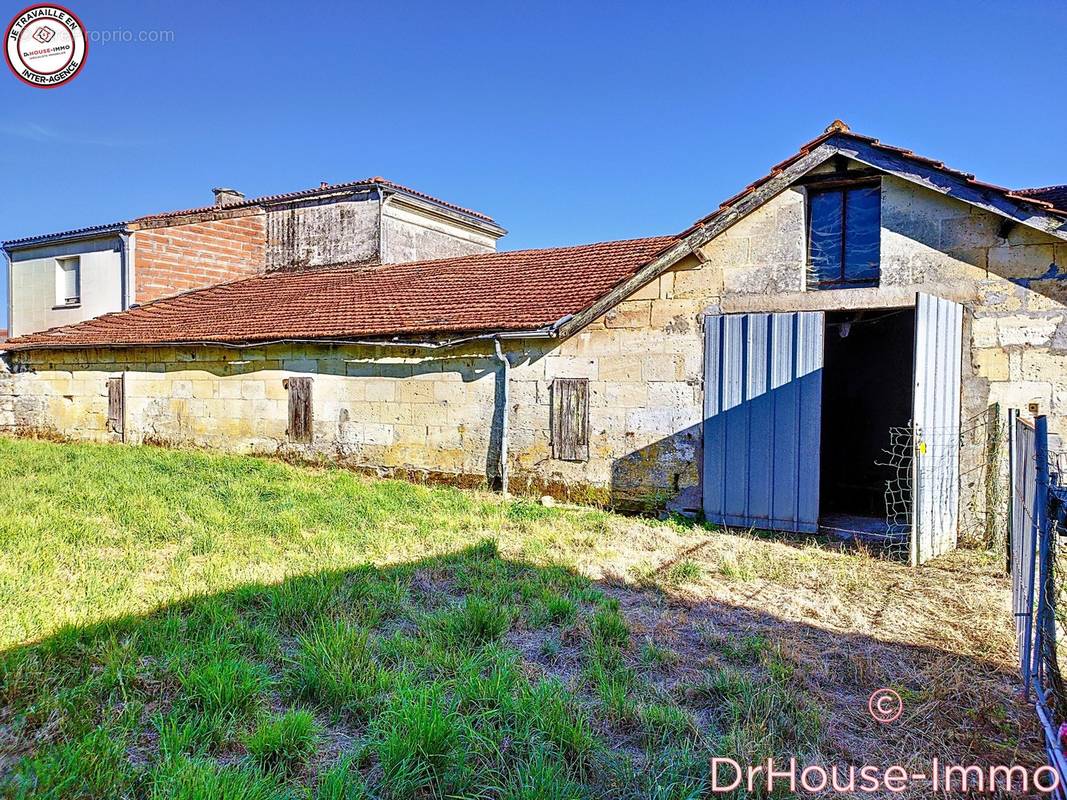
x=567 y=122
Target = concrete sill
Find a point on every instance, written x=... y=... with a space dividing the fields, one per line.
x=66 y=305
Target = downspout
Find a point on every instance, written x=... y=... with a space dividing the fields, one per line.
x=382 y=200
x=506 y=367
x=506 y=379
x=10 y=292
x=124 y=266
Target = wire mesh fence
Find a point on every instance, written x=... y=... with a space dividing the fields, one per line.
x=1038 y=564
x=899 y=460
x=984 y=477
x=979 y=445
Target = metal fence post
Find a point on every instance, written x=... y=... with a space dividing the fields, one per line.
x=1013 y=415
x=1030 y=568
x=1042 y=531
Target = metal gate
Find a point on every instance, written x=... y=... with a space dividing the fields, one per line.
x=1038 y=517
x=1023 y=533
x=762 y=420
x=936 y=414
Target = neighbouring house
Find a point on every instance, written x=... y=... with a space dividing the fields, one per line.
x=64 y=278
x=757 y=366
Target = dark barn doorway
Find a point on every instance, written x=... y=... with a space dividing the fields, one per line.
x=867 y=391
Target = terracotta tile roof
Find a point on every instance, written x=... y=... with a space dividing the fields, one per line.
x=1057 y=195
x=521 y=290
x=327 y=188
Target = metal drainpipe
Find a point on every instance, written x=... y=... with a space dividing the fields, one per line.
x=124 y=265
x=506 y=365
x=382 y=200
x=10 y=292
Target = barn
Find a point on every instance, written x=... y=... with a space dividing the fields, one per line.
x=832 y=349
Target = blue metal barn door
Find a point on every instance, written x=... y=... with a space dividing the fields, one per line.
x=762 y=420
x=936 y=413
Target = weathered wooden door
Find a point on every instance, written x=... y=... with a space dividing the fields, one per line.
x=762 y=420
x=570 y=419
x=116 y=405
x=301 y=411
x=936 y=415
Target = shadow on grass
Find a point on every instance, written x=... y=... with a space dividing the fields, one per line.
x=466 y=675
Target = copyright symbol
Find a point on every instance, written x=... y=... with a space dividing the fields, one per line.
x=885 y=706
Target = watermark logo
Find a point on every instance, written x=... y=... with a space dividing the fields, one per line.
x=851 y=780
x=46 y=45
x=885 y=706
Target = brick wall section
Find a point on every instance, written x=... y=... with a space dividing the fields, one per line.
x=191 y=255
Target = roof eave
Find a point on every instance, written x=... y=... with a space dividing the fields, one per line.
x=75 y=235
x=937 y=177
x=472 y=220
x=540 y=332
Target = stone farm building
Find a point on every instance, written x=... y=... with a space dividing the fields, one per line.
x=754 y=366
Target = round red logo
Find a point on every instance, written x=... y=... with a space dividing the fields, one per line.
x=46 y=45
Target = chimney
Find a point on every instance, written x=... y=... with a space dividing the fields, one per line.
x=227 y=197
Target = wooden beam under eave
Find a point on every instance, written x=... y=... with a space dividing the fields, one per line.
x=945 y=183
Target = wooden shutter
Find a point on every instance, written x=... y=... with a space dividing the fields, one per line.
x=570 y=419
x=116 y=402
x=300 y=416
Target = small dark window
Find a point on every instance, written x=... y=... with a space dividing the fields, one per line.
x=844 y=229
x=116 y=404
x=300 y=416
x=570 y=419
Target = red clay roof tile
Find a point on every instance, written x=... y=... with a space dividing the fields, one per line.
x=1056 y=195
x=515 y=291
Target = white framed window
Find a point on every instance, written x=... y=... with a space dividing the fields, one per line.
x=68 y=281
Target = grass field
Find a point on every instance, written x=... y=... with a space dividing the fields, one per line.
x=182 y=625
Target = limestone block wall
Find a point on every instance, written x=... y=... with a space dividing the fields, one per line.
x=644 y=363
x=371 y=408
x=408 y=412
x=764 y=254
x=1012 y=282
